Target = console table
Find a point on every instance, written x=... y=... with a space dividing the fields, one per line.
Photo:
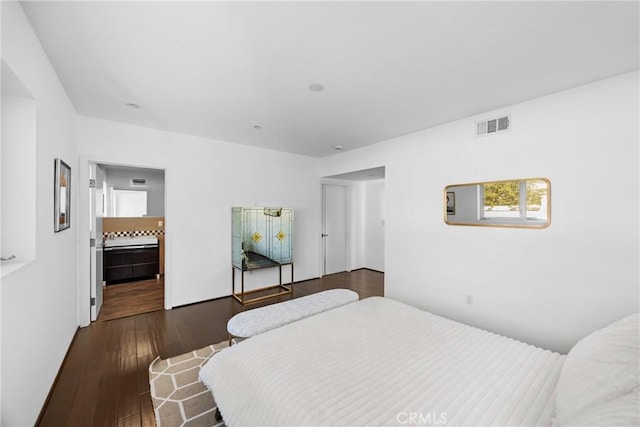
x=256 y=261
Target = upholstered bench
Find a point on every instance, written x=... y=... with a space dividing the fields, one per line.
x=258 y=320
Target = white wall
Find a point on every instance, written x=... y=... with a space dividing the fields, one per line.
x=40 y=300
x=1 y=181
x=374 y=213
x=466 y=204
x=548 y=287
x=356 y=225
x=19 y=183
x=203 y=180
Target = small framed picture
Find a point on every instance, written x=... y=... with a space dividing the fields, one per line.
x=61 y=196
x=451 y=203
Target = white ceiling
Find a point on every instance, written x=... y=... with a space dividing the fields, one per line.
x=217 y=69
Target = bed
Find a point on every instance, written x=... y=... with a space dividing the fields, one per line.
x=381 y=362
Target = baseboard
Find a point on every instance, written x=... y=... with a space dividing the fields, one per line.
x=306 y=280
x=231 y=296
x=295 y=283
x=55 y=380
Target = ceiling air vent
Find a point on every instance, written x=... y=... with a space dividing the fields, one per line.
x=138 y=182
x=487 y=127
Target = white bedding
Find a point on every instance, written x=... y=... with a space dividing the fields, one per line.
x=380 y=362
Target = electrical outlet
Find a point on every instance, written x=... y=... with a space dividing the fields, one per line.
x=470 y=299
x=159 y=223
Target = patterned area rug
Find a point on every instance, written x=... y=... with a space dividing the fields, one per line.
x=179 y=399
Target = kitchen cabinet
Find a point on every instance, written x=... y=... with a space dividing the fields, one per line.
x=127 y=263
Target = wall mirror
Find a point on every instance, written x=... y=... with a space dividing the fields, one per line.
x=129 y=191
x=128 y=203
x=523 y=203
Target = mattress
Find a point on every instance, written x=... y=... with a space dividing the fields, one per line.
x=381 y=362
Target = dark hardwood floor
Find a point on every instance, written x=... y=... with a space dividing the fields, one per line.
x=128 y=299
x=104 y=380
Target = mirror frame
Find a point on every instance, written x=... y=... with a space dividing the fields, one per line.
x=514 y=224
x=61 y=196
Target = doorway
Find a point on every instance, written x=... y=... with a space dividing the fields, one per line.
x=353 y=225
x=334 y=229
x=127 y=225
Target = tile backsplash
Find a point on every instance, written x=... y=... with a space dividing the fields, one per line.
x=134 y=233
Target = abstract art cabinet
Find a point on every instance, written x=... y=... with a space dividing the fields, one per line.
x=261 y=238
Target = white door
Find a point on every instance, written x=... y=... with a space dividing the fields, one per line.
x=96 y=209
x=334 y=228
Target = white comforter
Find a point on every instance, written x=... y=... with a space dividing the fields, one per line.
x=380 y=362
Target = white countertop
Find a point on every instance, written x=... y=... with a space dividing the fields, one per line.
x=130 y=241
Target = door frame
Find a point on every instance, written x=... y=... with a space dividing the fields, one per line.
x=94 y=250
x=84 y=267
x=348 y=222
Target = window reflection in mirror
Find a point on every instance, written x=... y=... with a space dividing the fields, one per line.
x=522 y=203
x=129 y=203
